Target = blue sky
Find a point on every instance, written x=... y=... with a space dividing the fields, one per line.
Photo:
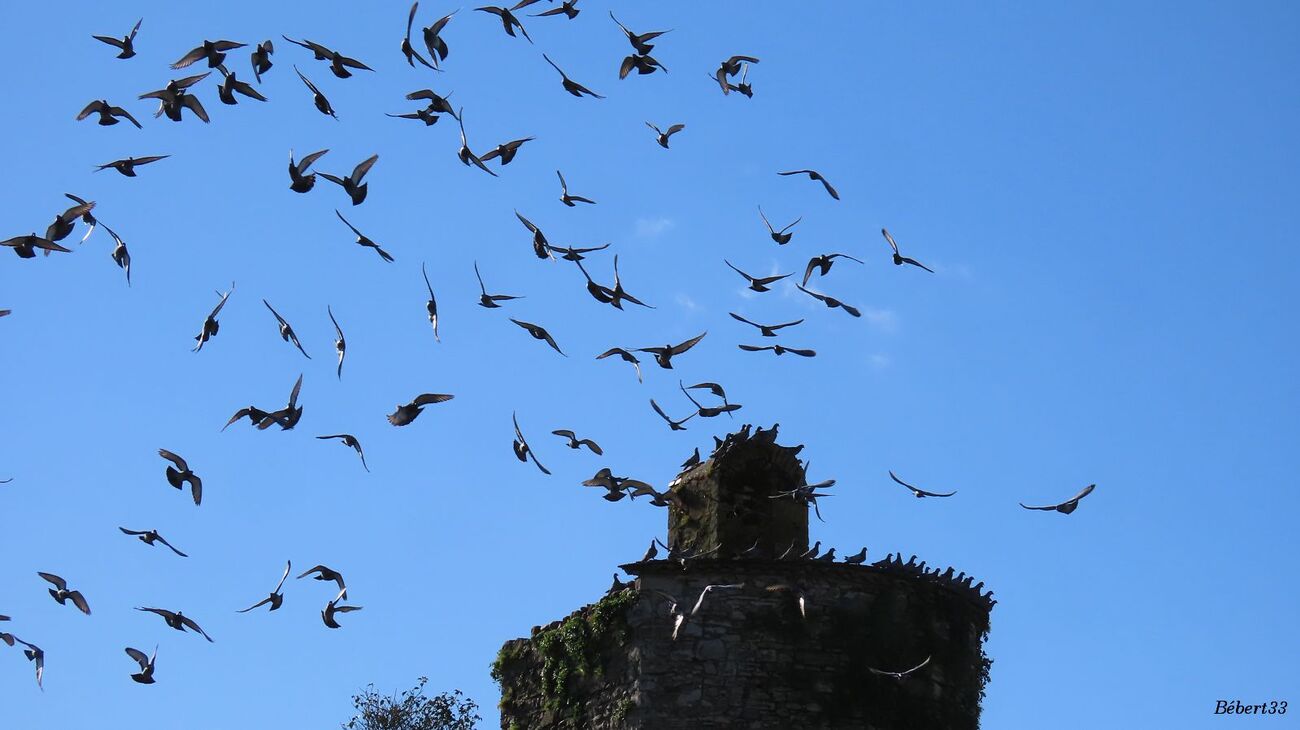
x=1107 y=195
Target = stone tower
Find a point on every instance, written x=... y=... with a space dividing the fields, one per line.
x=790 y=642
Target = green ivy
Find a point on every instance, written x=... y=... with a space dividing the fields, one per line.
x=574 y=647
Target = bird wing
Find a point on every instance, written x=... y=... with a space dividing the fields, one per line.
x=163 y=540
x=287 y=565
x=684 y=346
x=277 y=314
x=293 y=394
x=262 y=602
x=139 y=656
x=889 y=238
x=754 y=348
x=110 y=41
x=187 y=621
x=306 y=161
x=79 y=601
x=803 y=353
x=813 y=294
x=425 y=399
x=173 y=458
x=738 y=271
x=58 y=582
x=363 y=167
x=660 y=411
x=133 y=532
x=338 y=330
x=674 y=129
x=189 y=58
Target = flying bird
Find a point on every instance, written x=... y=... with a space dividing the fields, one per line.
x=261 y=59
x=300 y=181
x=230 y=86
x=663 y=136
x=539 y=333
x=822 y=264
x=433 y=41
x=523 y=451
x=351 y=442
x=145 y=675
x=409 y=412
x=340 y=342
x=431 y=306
x=709 y=411
x=489 y=300
x=814 y=175
x=149 y=537
x=783 y=236
x=177 y=620
x=254 y=415
x=174 y=98
x=427 y=116
x=643 y=64
x=899 y=260
x=779 y=350
x=541 y=248
x=276 y=597
x=317 y=98
x=362 y=240
x=408 y=50
x=758 y=284
x=33 y=653
x=61 y=593
x=575 y=442
x=570 y=85
x=731 y=67
x=286 y=331
x=339 y=63
x=288 y=416
x=108 y=114
x=352 y=184
x=506 y=151
x=25 y=246
x=664 y=355
x=333 y=607
x=128 y=165
x=508 y=20
x=920 y=493
x=87 y=216
x=125 y=44
x=1068 y=505
x=672 y=425
x=213 y=51
x=767 y=330
x=567 y=8
x=467 y=157
x=210 y=324
x=65 y=222
x=625 y=356
x=898 y=675
x=323 y=573
x=829 y=301
x=575 y=255
x=743 y=87
x=639 y=41
x=180 y=473
x=566 y=198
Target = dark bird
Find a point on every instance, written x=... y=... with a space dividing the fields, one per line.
x=288 y=416
x=339 y=63
x=317 y=98
x=620 y=294
x=857 y=558
x=180 y=473
x=541 y=248
x=275 y=598
x=145 y=675
x=429 y=118
x=639 y=41
x=1068 y=505
x=352 y=184
x=664 y=355
x=25 y=246
x=149 y=537
x=830 y=301
x=641 y=63
x=898 y=675
x=618 y=586
x=822 y=264
x=539 y=333
x=126 y=44
x=758 y=284
x=920 y=493
x=625 y=356
x=175 y=97
x=489 y=300
x=87 y=217
x=61 y=593
x=340 y=342
x=127 y=166
x=744 y=87
x=570 y=200
x=254 y=415
x=210 y=324
x=523 y=451
x=568 y=8
x=177 y=620
x=286 y=331
x=570 y=85
x=67 y=220
x=108 y=114
x=230 y=86
x=322 y=573
x=783 y=236
x=814 y=175
x=213 y=51
x=300 y=181
x=731 y=67
x=467 y=157
x=506 y=151
x=508 y=20
x=261 y=59
x=574 y=254
x=408 y=50
x=575 y=442
x=437 y=103
x=407 y=413
x=709 y=411
x=351 y=442
x=899 y=260
x=433 y=41
x=767 y=330
x=793 y=593
x=693 y=460
x=333 y=607
x=779 y=350
x=663 y=136
x=672 y=425
x=33 y=653
x=431 y=306
x=362 y=240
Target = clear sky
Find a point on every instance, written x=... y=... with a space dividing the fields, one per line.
x=1107 y=194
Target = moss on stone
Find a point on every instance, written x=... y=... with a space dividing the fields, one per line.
x=574 y=647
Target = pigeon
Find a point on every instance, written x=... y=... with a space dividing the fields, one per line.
x=340 y=343
x=568 y=8
x=642 y=64
x=350 y=441
x=431 y=306
x=288 y=416
x=898 y=259
x=570 y=85
x=664 y=355
x=829 y=301
x=570 y=200
x=362 y=239
x=433 y=41
x=575 y=255
x=822 y=264
x=898 y=675
x=25 y=246
x=327 y=574
x=506 y=151
x=352 y=184
x=767 y=330
x=149 y=537
x=145 y=675
x=174 y=98
x=731 y=67
x=486 y=300
x=61 y=593
x=408 y=50
x=783 y=236
x=539 y=333
x=87 y=217
x=672 y=425
x=213 y=51
x=920 y=493
x=1068 y=505
x=125 y=44
x=317 y=98
x=180 y=473
x=693 y=460
x=210 y=324
x=254 y=415
x=177 y=620
x=617 y=586
x=286 y=332
x=230 y=86
x=261 y=59
x=508 y=20
x=779 y=350
x=758 y=284
x=639 y=41
x=651 y=553
x=663 y=136
x=523 y=451
x=857 y=558
x=814 y=175
x=575 y=442
x=409 y=412
x=120 y=255
x=339 y=63
x=709 y=411
x=625 y=356
x=327 y=614
x=33 y=653
x=541 y=248
x=466 y=156
x=300 y=181
x=429 y=118
x=437 y=103
x=276 y=597
x=67 y=220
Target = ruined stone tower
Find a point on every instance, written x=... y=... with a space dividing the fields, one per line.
x=801 y=644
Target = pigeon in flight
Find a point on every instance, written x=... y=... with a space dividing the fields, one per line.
x=758 y=284
x=898 y=675
x=340 y=343
x=830 y=301
x=539 y=333
x=663 y=136
x=125 y=44
x=523 y=451
x=362 y=239
x=210 y=324
x=317 y=98
x=261 y=59
x=276 y=597
x=352 y=184
x=333 y=607
x=351 y=442
x=1068 y=505
x=286 y=331
x=180 y=473
x=145 y=675
x=213 y=51
x=108 y=114
x=575 y=442
x=783 y=236
x=409 y=412
x=300 y=181
x=149 y=537
x=177 y=620
x=61 y=593
x=323 y=573
x=920 y=493
x=664 y=355
x=822 y=264
x=570 y=85
x=766 y=330
x=899 y=260
x=566 y=198
x=672 y=425
x=625 y=356
x=814 y=175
